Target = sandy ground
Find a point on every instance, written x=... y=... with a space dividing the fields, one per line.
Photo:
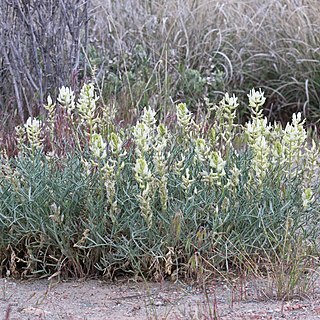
x=94 y=299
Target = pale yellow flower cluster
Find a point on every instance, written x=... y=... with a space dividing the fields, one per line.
x=33 y=131
x=184 y=116
x=66 y=98
x=216 y=172
x=256 y=101
x=224 y=128
x=258 y=133
x=282 y=151
x=293 y=142
x=112 y=169
x=98 y=147
x=86 y=106
x=144 y=135
x=160 y=158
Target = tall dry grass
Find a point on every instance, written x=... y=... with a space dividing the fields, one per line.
x=186 y=50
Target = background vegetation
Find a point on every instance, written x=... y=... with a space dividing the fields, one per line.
x=159 y=52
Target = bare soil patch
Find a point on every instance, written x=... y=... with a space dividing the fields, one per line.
x=95 y=299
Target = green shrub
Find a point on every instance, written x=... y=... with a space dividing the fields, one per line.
x=185 y=198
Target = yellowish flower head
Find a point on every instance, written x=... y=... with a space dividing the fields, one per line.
x=148 y=117
x=142 y=171
x=231 y=102
x=33 y=124
x=256 y=98
x=183 y=115
x=66 y=98
x=98 y=146
x=87 y=102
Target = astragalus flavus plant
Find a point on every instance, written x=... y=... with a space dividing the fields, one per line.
x=81 y=195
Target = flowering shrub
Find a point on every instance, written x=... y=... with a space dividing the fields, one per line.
x=127 y=199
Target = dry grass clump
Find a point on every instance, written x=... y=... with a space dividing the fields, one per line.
x=158 y=51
